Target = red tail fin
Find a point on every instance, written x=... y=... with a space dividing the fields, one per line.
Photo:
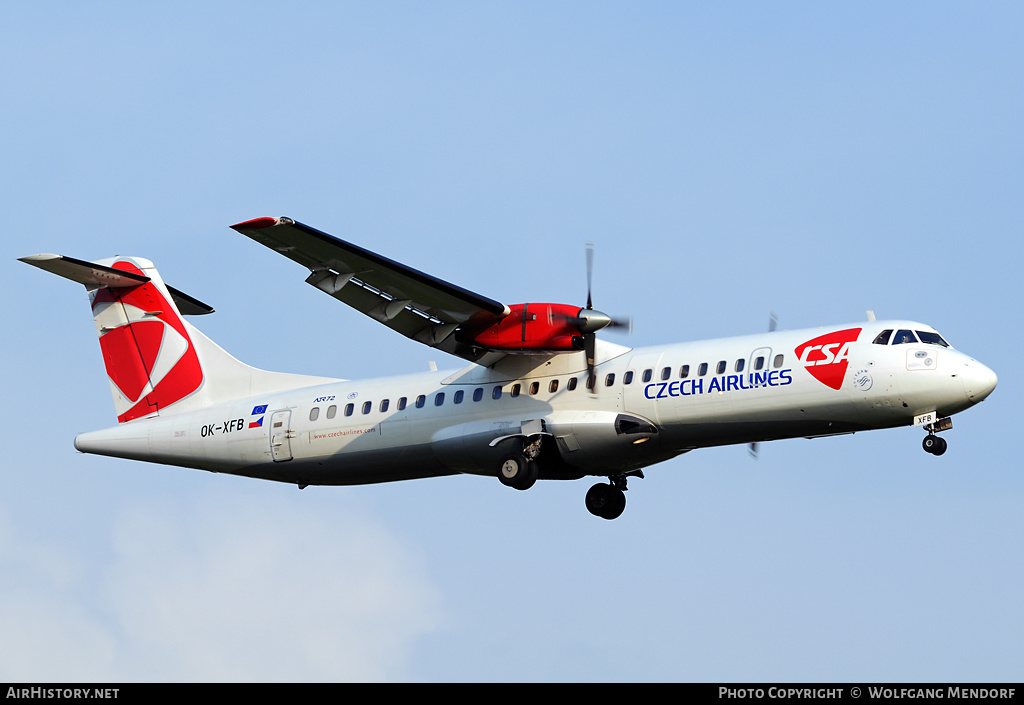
x=155 y=360
x=149 y=356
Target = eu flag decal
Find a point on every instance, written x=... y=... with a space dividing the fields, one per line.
x=259 y=409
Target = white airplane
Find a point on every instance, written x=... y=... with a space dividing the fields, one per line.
x=542 y=398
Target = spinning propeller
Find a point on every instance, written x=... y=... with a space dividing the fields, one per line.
x=548 y=327
x=591 y=321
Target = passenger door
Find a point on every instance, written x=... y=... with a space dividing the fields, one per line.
x=280 y=436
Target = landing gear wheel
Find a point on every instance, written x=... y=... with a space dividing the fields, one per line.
x=934 y=445
x=605 y=501
x=517 y=472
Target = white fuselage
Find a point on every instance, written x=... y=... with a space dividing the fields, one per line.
x=647 y=405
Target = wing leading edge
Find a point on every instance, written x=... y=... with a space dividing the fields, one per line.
x=417 y=305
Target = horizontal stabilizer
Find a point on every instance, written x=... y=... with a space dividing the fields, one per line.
x=96 y=276
x=188 y=305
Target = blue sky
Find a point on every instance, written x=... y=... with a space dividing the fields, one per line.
x=727 y=160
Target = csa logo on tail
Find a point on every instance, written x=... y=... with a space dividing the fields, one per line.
x=825 y=357
x=147 y=350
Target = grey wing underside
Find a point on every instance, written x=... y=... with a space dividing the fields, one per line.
x=417 y=305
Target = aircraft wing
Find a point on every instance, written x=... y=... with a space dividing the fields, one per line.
x=417 y=305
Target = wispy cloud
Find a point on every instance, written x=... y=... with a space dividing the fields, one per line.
x=225 y=589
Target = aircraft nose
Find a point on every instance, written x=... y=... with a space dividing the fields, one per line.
x=978 y=381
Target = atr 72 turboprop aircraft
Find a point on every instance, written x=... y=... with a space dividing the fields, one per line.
x=543 y=398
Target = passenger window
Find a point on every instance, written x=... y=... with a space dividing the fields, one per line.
x=516 y=387
x=553 y=386
x=666 y=373
x=609 y=380
x=590 y=382
x=332 y=411
x=366 y=407
x=883 y=337
x=759 y=363
x=778 y=361
x=721 y=367
x=628 y=377
x=571 y=384
x=931 y=338
x=647 y=375
x=439 y=399
x=684 y=372
x=384 y=404
x=739 y=365
x=421 y=400
x=496 y=392
x=314 y=413
x=534 y=387
x=478 y=394
x=904 y=336
x=349 y=409
x=401 y=403
x=458 y=396
x=703 y=369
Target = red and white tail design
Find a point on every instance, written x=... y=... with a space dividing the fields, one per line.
x=151 y=361
x=156 y=362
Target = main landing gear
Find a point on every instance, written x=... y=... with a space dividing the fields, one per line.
x=518 y=472
x=520 y=469
x=608 y=501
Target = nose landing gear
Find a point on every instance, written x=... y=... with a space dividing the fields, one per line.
x=932 y=443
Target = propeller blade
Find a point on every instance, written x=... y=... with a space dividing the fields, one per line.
x=589 y=350
x=619 y=323
x=589 y=321
x=590 y=272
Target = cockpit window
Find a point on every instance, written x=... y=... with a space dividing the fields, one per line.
x=883 y=337
x=904 y=336
x=931 y=338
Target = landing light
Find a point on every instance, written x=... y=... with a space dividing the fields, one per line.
x=638 y=441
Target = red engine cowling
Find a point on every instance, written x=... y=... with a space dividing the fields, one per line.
x=533 y=328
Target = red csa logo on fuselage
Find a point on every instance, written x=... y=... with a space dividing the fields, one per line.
x=825 y=357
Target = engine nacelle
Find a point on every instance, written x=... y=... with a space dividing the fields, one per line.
x=532 y=328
